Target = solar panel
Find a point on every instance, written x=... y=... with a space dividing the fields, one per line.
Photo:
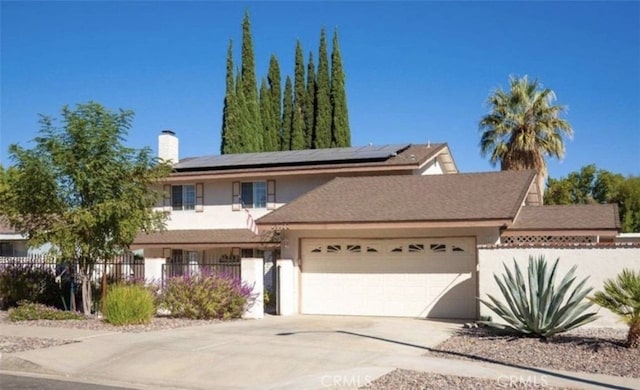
x=292 y=157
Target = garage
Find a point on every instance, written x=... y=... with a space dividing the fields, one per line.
x=417 y=277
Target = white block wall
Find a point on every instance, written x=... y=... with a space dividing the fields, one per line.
x=598 y=263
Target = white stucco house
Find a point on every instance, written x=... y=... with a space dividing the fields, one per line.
x=390 y=230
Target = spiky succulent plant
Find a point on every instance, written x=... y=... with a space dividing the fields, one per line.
x=537 y=307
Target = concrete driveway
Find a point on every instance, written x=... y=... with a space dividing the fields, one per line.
x=303 y=352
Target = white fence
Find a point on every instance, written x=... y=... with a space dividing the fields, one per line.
x=598 y=262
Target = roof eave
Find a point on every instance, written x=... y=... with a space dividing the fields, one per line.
x=495 y=223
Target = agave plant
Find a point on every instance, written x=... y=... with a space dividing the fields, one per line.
x=538 y=308
x=622 y=297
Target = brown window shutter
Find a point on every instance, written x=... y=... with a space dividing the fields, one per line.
x=235 y=201
x=199 y=197
x=271 y=194
x=167 y=197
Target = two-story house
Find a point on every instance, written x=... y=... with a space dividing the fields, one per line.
x=212 y=200
x=374 y=230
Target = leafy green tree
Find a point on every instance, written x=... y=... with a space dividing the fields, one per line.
x=323 y=101
x=309 y=110
x=82 y=190
x=230 y=114
x=270 y=131
x=251 y=134
x=340 y=132
x=298 y=141
x=593 y=185
x=523 y=127
x=275 y=96
x=287 y=115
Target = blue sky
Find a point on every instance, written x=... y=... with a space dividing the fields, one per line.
x=416 y=71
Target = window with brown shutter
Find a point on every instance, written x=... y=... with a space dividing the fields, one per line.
x=271 y=194
x=199 y=197
x=235 y=201
x=167 y=197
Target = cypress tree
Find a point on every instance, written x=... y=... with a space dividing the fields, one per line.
x=275 y=97
x=270 y=133
x=298 y=140
x=242 y=142
x=309 y=112
x=287 y=116
x=253 y=132
x=229 y=112
x=323 y=101
x=299 y=102
x=340 y=133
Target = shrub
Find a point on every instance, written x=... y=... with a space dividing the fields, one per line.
x=539 y=309
x=128 y=304
x=622 y=297
x=206 y=296
x=28 y=282
x=29 y=311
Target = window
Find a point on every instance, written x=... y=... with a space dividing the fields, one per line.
x=6 y=249
x=183 y=197
x=254 y=195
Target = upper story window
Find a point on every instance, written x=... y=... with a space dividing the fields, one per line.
x=254 y=195
x=183 y=197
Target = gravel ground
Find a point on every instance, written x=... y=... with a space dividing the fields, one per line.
x=415 y=380
x=17 y=344
x=596 y=350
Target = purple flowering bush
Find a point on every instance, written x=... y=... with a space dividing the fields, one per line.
x=28 y=282
x=206 y=296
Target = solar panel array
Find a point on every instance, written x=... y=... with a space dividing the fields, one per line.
x=292 y=157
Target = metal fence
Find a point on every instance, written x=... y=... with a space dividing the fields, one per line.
x=173 y=269
x=118 y=268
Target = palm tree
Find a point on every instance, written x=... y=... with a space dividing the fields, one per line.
x=622 y=297
x=523 y=128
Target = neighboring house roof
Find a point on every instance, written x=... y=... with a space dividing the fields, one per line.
x=195 y=238
x=568 y=217
x=368 y=158
x=491 y=196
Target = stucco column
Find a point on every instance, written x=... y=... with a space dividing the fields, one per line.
x=252 y=271
x=153 y=270
x=286 y=285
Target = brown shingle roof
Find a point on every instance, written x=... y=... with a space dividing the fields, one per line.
x=5 y=228
x=405 y=198
x=197 y=237
x=568 y=217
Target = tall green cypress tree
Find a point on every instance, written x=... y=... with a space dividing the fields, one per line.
x=252 y=134
x=275 y=97
x=269 y=133
x=298 y=140
x=229 y=112
x=309 y=112
x=299 y=102
x=242 y=142
x=323 y=101
x=287 y=115
x=340 y=133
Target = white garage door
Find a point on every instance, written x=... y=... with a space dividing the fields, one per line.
x=429 y=277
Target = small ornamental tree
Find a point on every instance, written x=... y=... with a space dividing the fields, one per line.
x=80 y=189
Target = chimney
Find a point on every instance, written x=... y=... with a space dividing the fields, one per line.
x=168 y=146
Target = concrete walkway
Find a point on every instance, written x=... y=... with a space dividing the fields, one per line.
x=301 y=352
